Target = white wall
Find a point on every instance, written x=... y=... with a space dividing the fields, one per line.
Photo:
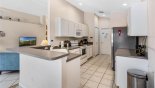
x=14 y=30
x=104 y=22
x=151 y=37
x=61 y=8
x=118 y=19
x=25 y=17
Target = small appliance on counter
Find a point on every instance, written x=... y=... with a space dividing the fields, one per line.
x=81 y=43
x=67 y=43
x=61 y=44
x=85 y=41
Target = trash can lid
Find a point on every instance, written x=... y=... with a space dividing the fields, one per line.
x=137 y=73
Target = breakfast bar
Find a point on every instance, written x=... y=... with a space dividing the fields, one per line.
x=48 y=69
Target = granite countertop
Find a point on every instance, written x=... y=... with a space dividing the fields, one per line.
x=39 y=53
x=69 y=48
x=72 y=56
x=45 y=54
x=128 y=53
x=57 y=47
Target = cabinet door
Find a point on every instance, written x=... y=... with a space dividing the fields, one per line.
x=90 y=51
x=71 y=31
x=73 y=73
x=64 y=27
x=84 y=31
x=78 y=29
x=137 y=20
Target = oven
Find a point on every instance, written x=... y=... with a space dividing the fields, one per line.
x=83 y=52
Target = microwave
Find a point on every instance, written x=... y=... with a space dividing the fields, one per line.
x=78 y=33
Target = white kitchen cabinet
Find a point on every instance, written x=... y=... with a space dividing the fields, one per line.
x=89 y=51
x=71 y=30
x=78 y=29
x=84 y=31
x=138 y=19
x=73 y=73
x=62 y=27
x=66 y=28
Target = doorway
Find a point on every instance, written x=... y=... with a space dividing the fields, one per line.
x=105 y=41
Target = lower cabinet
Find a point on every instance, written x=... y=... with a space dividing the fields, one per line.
x=89 y=51
x=73 y=73
x=125 y=63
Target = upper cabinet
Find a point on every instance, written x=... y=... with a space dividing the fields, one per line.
x=66 y=28
x=62 y=24
x=78 y=30
x=71 y=31
x=84 y=31
x=138 y=19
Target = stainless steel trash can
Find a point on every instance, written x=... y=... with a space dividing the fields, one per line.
x=136 y=78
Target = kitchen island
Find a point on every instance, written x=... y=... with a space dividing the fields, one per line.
x=127 y=59
x=48 y=69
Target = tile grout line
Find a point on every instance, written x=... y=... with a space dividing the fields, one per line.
x=98 y=66
x=102 y=77
x=96 y=71
x=89 y=77
x=13 y=83
x=103 y=74
x=4 y=78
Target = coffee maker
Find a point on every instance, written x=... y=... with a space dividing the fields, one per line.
x=67 y=43
x=85 y=41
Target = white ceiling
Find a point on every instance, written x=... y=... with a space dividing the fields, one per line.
x=107 y=6
x=39 y=7
x=35 y=7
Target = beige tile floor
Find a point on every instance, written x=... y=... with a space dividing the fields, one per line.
x=9 y=79
x=96 y=73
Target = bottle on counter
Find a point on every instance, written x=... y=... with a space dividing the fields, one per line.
x=62 y=44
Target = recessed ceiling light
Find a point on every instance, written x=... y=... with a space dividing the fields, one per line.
x=80 y=3
x=103 y=15
x=124 y=4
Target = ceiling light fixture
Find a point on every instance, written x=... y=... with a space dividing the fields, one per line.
x=103 y=15
x=124 y=4
x=80 y=3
